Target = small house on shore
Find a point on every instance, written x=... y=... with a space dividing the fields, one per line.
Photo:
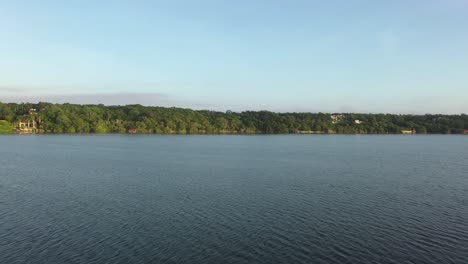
x=465 y=132
x=413 y=131
x=27 y=127
x=132 y=131
x=326 y=131
x=309 y=132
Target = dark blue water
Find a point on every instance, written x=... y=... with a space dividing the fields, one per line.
x=233 y=199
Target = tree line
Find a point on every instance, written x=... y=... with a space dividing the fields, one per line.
x=72 y=118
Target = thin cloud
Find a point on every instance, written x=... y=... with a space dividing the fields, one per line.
x=359 y=104
x=17 y=90
x=147 y=99
x=11 y=89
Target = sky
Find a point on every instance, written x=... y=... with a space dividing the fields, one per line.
x=367 y=56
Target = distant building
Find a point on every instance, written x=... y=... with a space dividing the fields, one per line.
x=465 y=132
x=357 y=121
x=413 y=131
x=26 y=127
x=32 y=111
x=310 y=132
x=132 y=131
x=336 y=118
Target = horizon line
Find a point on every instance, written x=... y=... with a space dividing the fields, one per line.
x=227 y=111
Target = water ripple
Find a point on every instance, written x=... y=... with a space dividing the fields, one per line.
x=244 y=200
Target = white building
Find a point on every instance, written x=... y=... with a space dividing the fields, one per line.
x=336 y=118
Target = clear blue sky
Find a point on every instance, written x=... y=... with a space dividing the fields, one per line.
x=394 y=56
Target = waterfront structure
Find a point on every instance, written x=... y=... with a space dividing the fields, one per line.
x=413 y=131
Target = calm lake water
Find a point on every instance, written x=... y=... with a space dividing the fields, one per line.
x=233 y=199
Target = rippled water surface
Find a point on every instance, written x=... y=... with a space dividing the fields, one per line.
x=233 y=199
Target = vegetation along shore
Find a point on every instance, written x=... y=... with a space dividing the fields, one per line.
x=70 y=118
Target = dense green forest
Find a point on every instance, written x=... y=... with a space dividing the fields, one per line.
x=6 y=127
x=70 y=118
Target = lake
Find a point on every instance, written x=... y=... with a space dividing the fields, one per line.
x=234 y=199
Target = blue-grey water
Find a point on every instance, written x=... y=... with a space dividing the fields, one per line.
x=233 y=199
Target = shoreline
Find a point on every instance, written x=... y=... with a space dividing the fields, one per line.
x=221 y=134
